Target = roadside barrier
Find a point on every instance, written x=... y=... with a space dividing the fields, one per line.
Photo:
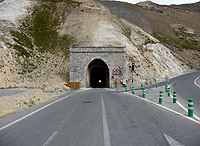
x=111 y=86
x=156 y=85
x=150 y=83
x=133 y=90
x=141 y=85
x=190 y=107
x=166 y=86
x=168 y=92
x=174 y=97
x=160 y=98
x=144 y=95
x=117 y=88
x=130 y=86
x=126 y=88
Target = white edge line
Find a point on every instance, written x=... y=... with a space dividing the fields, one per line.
x=105 y=125
x=184 y=108
x=198 y=122
x=50 y=138
x=32 y=113
x=195 y=81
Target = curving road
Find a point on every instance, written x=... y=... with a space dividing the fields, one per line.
x=186 y=88
x=98 y=117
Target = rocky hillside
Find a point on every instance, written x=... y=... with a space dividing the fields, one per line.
x=195 y=7
x=34 y=48
x=175 y=26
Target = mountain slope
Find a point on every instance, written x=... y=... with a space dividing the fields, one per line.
x=177 y=29
x=35 y=52
x=195 y=7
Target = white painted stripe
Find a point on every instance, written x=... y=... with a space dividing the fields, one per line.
x=171 y=141
x=50 y=139
x=190 y=107
x=28 y=115
x=195 y=82
x=198 y=122
x=190 y=103
x=105 y=125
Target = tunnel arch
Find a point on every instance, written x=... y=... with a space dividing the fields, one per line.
x=98 y=74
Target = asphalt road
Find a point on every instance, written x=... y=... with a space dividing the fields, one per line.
x=10 y=92
x=98 y=117
x=186 y=88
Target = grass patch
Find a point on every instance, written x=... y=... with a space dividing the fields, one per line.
x=22 y=39
x=45 y=20
x=178 y=43
x=126 y=31
x=39 y=31
x=40 y=28
x=21 y=51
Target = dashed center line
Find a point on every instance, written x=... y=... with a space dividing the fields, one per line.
x=50 y=139
x=105 y=125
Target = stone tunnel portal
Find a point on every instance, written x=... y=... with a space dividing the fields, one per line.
x=98 y=74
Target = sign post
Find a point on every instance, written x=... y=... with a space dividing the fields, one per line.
x=132 y=72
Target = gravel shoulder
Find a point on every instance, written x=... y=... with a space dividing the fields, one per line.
x=14 y=103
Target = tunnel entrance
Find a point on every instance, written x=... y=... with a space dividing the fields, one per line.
x=98 y=74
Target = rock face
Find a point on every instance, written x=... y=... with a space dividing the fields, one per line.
x=101 y=28
x=90 y=24
x=13 y=104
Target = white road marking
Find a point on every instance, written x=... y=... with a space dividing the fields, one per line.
x=105 y=125
x=195 y=82
x=198 y=122
x=50 y=139
x=184 y=108
x=171 y=141
x=28 y=115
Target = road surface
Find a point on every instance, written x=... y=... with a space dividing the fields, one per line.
x=98 y=117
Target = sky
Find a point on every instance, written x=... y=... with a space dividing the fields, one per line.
x=165 y=2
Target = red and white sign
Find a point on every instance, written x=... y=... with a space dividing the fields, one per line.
x=116 y=71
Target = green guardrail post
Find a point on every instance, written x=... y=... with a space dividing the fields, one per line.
x=190 y=107
x=150 y=83
x=166 y=89
x=133 y=90
x=144 y=95
x=117 y=88
x=160 y=98
x=130 y=86
x=126 y=88
x=168 y=92
x=174 y=97
x=166 y=85
x=156 y=85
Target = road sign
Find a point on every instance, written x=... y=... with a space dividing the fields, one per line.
x=121 y=67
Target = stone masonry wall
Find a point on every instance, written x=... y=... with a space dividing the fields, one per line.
x=80 y=58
